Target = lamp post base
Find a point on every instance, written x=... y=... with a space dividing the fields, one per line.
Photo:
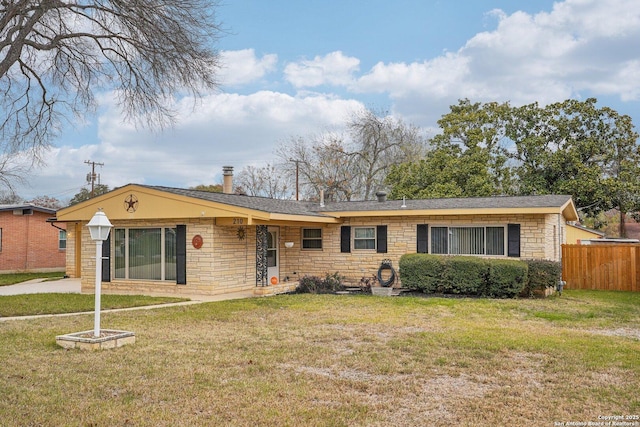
x=108 y=338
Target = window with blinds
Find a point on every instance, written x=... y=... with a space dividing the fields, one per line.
x=468 y=240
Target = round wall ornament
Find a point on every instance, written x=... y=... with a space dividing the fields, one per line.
x=197 y=241
x=131 y=203
x=240 y=233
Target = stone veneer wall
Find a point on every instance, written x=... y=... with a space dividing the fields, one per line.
x=538 y=240
x=226 y=263
x=223 y=264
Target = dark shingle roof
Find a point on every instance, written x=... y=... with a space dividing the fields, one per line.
x=263 y=204
x=27 y=206
x=293 y=207
x=505 y=202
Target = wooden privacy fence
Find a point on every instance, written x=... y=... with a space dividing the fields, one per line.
x=614 y=267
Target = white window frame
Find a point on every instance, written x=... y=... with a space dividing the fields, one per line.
x=470 y=226
x=62 y=237
x=362 y=239
x=309 y=239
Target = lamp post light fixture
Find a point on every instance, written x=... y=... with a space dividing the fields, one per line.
x=99 y=228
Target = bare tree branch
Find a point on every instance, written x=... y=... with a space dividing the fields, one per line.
x=55 y=55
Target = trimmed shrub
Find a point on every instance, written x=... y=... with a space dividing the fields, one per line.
x=542 y=274
x=315 y=285
x=465 y=275
x=422 y=272
x=507 y=278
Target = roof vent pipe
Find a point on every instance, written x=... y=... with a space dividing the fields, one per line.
x=322 y=198
x=382 y=196
x=227 y=179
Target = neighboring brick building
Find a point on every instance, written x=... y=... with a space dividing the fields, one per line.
x=182 y=242
x=28 y=243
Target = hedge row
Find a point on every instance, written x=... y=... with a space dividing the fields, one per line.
x=499 y=278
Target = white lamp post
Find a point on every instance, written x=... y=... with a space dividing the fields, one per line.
x=99 y=227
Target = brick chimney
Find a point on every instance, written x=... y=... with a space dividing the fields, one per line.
x=227 y=179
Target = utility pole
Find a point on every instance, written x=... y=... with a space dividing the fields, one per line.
x=92 y=176
x=297 y=177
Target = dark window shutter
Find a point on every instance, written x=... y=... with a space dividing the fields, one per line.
x=106 y=259
x=513 y=240
x=181 y=254
x=345 y=239
x=423 y=239
x=381 y=239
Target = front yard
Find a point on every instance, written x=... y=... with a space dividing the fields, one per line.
x=327 y=360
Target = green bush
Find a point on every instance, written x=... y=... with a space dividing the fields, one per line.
x=422 y=272
x=542 y=274
x=315 y=285
x=507 y=278
x=465 y=275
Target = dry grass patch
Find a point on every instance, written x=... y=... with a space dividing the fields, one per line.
x=330 y=361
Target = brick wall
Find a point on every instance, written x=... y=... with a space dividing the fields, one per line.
x=30 y=243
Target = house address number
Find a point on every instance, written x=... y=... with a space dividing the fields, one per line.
x=238 y=221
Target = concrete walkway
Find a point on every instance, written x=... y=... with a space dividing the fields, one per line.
x=39 y=286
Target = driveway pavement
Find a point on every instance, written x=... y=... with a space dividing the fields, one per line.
x=40 y=286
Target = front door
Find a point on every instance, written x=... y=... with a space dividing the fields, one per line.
x=273 y=269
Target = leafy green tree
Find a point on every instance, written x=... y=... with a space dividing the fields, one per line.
x=576 y=148
x=468 y=159
x=85 y=194
x=571 y=147
x=212 y=188
x=446 y=171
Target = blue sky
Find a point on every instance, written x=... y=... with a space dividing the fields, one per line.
x=299 y=68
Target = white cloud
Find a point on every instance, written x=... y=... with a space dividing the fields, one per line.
x=439 y=77
x=243 y=66
x=580 y=48
x=332 y=69
x=225 y=129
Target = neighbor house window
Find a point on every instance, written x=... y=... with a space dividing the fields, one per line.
x=62 y=239
x=468 y=240
x=364 y=238
x=312 y=238
x=145 y=253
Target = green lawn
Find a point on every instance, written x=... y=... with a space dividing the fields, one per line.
x=13 y=278
x=327 y=360
x=52 y=303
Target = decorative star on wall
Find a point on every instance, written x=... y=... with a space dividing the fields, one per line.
x=131 y=203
